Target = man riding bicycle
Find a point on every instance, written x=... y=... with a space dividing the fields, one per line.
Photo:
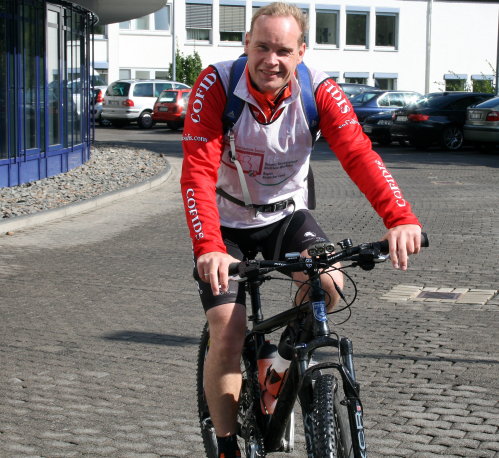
x=246 y=188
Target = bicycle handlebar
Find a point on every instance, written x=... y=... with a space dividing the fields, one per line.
x=365 y=255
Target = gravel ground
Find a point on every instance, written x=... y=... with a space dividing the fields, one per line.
x=110 y=168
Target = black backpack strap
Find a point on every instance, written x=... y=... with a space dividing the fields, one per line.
x=234 y=105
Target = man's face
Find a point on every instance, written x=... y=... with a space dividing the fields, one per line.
x=273 y=52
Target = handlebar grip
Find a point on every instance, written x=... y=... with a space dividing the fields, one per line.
x=384 y=246
x=234 y=268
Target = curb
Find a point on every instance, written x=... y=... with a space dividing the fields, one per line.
x=22 y=222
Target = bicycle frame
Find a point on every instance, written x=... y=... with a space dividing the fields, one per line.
x=300 y=377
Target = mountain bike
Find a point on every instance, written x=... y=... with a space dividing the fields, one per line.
x=328 y=391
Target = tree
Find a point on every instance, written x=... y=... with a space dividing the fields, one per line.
x=187 y=68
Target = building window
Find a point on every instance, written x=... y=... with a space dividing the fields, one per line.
x=99 y=30
x=386 y=29
x=142 y=74
x=326 y=30
x=482 y=83
x=455 y=82
x=4 y=67
x=356 y=80
x=390 y=84
x=386 y=81
x=125 y=74
x=142 y=23
x=161 y=75
x=198 y=22
x=357 y=28
x=232 y=23
x=162 y=19
x=54 y=97
x=44 y=89
x=356 y=77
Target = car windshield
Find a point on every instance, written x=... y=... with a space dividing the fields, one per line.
x=168 y=96
x=118 y=88
x=363 y=97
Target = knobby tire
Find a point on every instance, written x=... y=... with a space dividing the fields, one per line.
x=247 y=403
x=331 y=430
x=207 y=429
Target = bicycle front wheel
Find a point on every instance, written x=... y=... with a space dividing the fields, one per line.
x=207 y=429
x=331 y=427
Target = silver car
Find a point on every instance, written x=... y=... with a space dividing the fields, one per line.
x=128 y=101
x=482 y=124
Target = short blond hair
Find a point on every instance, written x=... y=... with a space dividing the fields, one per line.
x=283 y=9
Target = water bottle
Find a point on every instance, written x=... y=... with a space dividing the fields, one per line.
x=272 y=377
x=266 y=355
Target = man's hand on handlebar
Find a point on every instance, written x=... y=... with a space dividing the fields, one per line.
x=213 y=268
x=404 y=240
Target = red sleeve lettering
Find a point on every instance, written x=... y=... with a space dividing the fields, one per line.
x=342 y=131
x=202 y=144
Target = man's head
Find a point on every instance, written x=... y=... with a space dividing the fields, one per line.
x=275 y=45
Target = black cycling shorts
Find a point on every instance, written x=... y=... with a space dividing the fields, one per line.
x=302 y=231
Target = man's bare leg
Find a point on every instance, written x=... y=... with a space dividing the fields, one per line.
x=222 y=370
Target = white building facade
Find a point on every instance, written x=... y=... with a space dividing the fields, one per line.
x=421 y=45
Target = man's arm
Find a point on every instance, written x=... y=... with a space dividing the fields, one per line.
x=340 y=127
x=202 y=144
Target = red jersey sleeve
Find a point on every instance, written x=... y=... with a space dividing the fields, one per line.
x=202 y=144
x=342 y=131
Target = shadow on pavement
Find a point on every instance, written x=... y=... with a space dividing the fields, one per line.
x=152 y=338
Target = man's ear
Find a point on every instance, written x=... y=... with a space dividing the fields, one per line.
x=301 y=52
x=247 y=38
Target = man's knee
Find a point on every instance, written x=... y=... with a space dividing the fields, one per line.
x=227 y=324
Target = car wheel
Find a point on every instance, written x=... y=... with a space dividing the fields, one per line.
x=452 y=138
x=173 y=125
x=145 y=120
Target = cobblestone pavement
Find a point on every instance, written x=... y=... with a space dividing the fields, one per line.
x=100 y=320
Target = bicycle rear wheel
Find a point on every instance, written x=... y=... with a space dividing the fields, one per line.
x=207 y=429
x=331 y=427
x=248 y=426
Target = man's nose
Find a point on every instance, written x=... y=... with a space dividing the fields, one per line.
x=271 y=58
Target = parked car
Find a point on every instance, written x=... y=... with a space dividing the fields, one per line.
x=482 y=124
x=128 y=101
x=374 y=101
x=377 y=127
x=170 y=107
x=437 y=117
x=98 y=98
x=352 y=89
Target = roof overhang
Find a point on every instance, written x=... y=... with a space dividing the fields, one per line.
x=110 y=11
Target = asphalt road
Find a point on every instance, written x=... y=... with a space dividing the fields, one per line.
x=100 y=319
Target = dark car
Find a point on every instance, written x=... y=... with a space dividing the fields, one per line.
x=352 y=89
x=375 y=101
x=437 y=117
x=170 y=107
x=482 y=124
x=377 y=127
